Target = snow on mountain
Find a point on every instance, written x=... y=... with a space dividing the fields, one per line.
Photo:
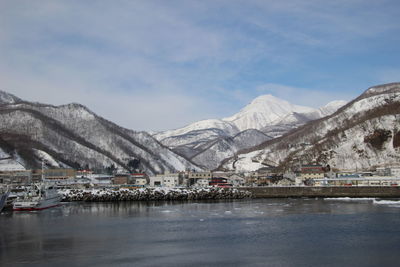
x=71 y=135
x=389 y=87
x=294 y=120
x=263 y=111
x=362 y=134
x=220 y=149
x=268 y=114
x=245 y=162
x=250 y=138
x=331 y=107
x=191 y=139
x=48 y=159
x=7 y=98
x=226 y=127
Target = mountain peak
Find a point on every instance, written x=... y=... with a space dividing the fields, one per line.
x=266 y=98
x=263 y=111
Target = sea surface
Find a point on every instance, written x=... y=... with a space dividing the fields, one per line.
x=260 y=232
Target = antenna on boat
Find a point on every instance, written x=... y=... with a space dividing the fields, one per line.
x=42 y=170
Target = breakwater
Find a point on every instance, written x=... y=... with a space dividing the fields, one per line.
x=151 y=194
x=331 y=191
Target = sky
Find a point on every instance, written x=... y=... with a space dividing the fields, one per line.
x=158 y=65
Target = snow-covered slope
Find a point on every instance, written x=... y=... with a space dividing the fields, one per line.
x=226 y=127
x=263 y=111
x=293 y=120
x=192 y=139
x=71 y=135
x=360 y=135
x=331 y=107
x=7 y=163
x=211 y=156
x=7 y=98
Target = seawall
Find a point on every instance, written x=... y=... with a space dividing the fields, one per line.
x=151 y=194
x=331 y=191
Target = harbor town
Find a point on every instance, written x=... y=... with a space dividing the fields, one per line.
x=14 y=174
x=87 y=185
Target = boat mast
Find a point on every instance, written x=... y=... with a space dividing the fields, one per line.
x=42 y=170
x=41 y=184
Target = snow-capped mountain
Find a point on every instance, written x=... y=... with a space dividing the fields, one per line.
x=360 y=135
x=264 y=111
x=208 y=142
x=71 y=135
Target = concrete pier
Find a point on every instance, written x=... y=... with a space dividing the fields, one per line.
x=331 y=191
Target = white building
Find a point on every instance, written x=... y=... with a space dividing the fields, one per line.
x=156 y=181
x=390 y=170
x=195 y=177
x=395 y=171
x=165 y=180
x=171 y=180
x=298 y=181
x=236 y=181
x=202 y=183
x=199 y=175
x=140 y=181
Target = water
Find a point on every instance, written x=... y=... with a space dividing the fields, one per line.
x=265 y=232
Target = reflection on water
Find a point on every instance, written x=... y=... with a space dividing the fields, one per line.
x=266 y=232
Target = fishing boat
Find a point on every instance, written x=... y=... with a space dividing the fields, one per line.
x=38 y=197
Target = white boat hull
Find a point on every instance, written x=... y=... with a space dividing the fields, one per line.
x=39 y=204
